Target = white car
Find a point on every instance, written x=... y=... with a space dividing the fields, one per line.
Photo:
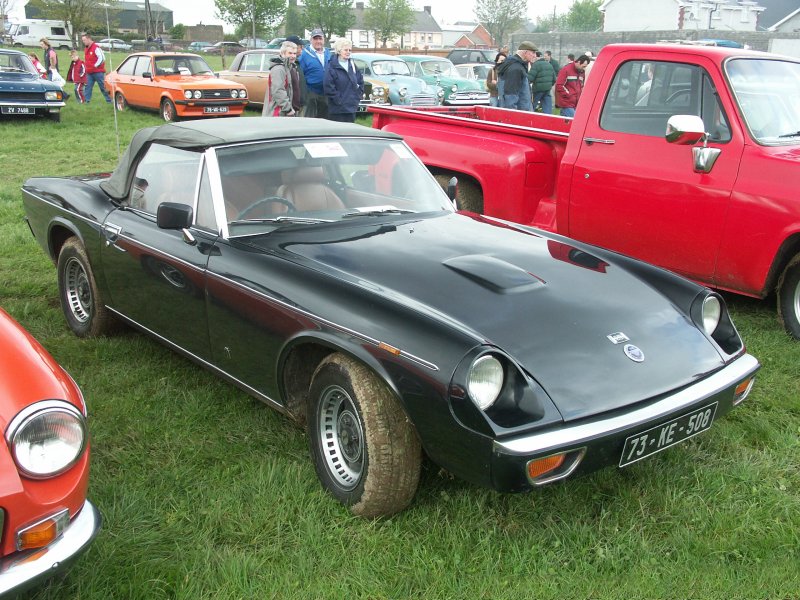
x=114 y=44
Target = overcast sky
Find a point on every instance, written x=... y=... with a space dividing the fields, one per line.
x=192 y=12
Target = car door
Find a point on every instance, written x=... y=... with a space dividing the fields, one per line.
x=253 y=73
x=637 y=194
x=139 y=86
x=155 y=277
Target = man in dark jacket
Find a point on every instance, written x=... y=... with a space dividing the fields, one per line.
x=542 y=78
x=513 y=72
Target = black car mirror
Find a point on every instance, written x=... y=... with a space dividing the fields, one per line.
x=173 y=215
x=147 y=74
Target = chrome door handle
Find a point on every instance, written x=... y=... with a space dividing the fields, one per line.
x=591 y=141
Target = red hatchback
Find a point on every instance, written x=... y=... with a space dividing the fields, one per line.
x=45 y=519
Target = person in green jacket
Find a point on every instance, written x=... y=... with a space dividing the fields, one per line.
x=542 y=78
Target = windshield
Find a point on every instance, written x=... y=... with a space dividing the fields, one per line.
x=182 y=65
x=768 y=93
x=16 y=63
x=322 y=180
x=438 y=67
x=390 y=67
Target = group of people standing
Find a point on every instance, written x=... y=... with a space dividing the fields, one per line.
x=313 y=81
x=525 y=80
x=81 y=72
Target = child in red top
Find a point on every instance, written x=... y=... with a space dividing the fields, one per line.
x=77 y=75
x=39 y=66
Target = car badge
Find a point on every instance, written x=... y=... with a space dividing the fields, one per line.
x=216 y=93
x=618 y=338
x=634 y=353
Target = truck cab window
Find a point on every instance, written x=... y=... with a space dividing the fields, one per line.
x=645 y=94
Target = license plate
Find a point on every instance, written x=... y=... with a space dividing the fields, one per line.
x=215 y=109
x=668 y=434
x=18 y=110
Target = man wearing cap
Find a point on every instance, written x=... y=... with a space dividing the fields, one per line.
x=312 y=61
x=300 y=91
x=513 y=72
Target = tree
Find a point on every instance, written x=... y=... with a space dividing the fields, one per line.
x=78 y=15
x=585 y=15
x=388 y=19
x=256 y=13
x=293 y=22
x=332 y=16
x=501 y=17
x=178 y=32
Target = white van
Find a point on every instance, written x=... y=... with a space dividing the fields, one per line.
x=28 y=33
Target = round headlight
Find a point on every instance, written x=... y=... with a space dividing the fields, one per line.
x=234 y=93
x=485 y=381
x=440 y=93
x=454 y=88
x=402 y=92
x=712 y=312
x=198 y=94
x=47 y=440
x=187 y=94
x=377 y=91
x=242 y=93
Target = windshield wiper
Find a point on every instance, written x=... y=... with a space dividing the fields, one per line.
x=280 y=219
x=378 y=210
x=787 y=135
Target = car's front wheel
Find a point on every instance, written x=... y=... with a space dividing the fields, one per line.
x=120 y=101
x=789 y=298
x=168 y=111
x=83 y=305
x=365 y=450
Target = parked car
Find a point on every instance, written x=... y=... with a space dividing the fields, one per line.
x=198 y=46
x=320 y=267
x=475 y=71
x=179 y=86
x=47 y=522
x=395 y=77
x=230 y=48
x=114 y=44
x=23 y=92
x=251 y=69
x=441 y=72
x=458 y=56
x=253 y=43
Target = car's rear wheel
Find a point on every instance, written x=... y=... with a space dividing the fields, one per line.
x=789 y=298
x=364 y=448
x=120 y=101
x=83 y=305
x=168 y=111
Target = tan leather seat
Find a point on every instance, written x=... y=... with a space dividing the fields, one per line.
x=305 y=188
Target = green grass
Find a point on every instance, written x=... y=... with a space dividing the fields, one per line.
x=206 y=493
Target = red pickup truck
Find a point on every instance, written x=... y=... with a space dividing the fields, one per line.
x=685 y=156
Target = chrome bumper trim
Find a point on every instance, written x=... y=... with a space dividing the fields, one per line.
x=578 y=435
x=20 y=571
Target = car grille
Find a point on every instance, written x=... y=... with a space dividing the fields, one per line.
x=15 y=96
x=216 y=94
x=422 y=101
x=474 y=96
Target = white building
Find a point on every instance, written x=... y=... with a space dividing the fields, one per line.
x=680 y=15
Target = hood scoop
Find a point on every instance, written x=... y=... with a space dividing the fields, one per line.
x=494 y=274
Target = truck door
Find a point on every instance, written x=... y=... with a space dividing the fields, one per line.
x=637 y=194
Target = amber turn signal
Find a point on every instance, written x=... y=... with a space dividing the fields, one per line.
x=537 y=468
x=742 y=390
x=44 y=532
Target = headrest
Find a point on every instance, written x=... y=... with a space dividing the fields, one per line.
x=304 y=175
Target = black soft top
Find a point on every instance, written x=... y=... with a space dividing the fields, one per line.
x=202 y=134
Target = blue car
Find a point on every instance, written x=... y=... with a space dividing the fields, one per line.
x=23 y=91
x=395 y=76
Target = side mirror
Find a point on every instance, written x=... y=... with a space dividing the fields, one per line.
x=452 y=191
x=148 y=75
x=685 y=130
x=172 y=215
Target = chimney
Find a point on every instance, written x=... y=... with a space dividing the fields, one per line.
x=359 y=6
x=427 y=9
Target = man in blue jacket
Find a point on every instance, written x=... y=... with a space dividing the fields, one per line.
x=313 y=60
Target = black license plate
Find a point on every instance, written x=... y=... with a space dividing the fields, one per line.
x=215 y=109
x=656 y=439
x=17 y=110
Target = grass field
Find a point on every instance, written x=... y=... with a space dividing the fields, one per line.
x=206 y=493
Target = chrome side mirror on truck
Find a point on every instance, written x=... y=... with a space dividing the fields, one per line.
x=686 y=130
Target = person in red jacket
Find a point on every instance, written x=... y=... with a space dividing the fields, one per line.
x=95 y=61
x=77 y=75
x=569 y=85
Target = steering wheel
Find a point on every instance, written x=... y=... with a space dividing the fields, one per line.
x=268 y=200
x=675 y=95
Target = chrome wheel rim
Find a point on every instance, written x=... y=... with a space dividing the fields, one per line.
x=167 y=112
x=78 y=290
x=796 y=302
x=341 y=437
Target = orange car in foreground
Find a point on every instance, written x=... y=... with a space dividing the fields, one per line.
x=179 y=86
x=46 y=521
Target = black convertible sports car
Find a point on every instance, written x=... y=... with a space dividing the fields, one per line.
x=321 y=268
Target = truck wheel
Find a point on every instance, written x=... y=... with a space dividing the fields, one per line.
x=83 y=305
x=365 y=450
x=469 y=196
x=789 y=298
x=168 y=111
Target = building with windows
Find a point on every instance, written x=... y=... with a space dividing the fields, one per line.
x=425 y=32
x=681 y=15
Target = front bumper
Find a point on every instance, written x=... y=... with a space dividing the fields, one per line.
x=39 y=107
x=598 y=443
x=20 y=571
